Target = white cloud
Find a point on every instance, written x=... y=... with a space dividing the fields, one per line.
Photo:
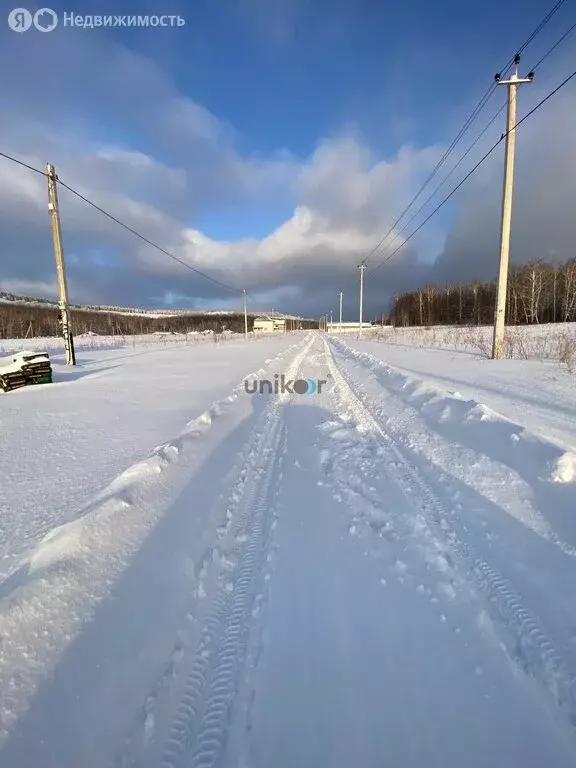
x=30 y=288
x=543 y=222
x=345 y=196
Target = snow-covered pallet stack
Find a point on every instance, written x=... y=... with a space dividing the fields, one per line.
x=11 y=377
x=36 y=367
x=25 y=368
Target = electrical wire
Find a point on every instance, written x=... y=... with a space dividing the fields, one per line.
x=146 y=240
x=23 y=164
x=122 y=224
x=445 y=179
x=553 y=48
x=541 y=26
x=478 y=164
x=475 y=112
x=475 y=142
x=444 y=157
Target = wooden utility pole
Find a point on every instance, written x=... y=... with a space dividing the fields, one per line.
x=245 y=304
x=500 y=311
x=63 y=306
x=361 y=267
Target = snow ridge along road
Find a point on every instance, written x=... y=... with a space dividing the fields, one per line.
x=318 y=580
x=529 y=644
x=45 y=602
x=198 y=733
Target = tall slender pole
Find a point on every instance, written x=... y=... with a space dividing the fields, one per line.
x=554 y=305
x=245 y=303
x=64 y=309
x=508 y=185
x=340 y=324
x=361 y=267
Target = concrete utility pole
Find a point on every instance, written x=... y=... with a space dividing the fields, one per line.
x=54 y=211
x=245 y=303
x=340 y=324
x=500 y=311
x=361 y=267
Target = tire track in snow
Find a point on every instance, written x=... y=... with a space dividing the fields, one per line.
x=533 y=519
x=199 y=732
x=220 y=555
x=144 y=729
x=246 y=697
x=533 y=651
x=210 y=739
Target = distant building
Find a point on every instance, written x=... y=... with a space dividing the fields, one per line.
x=346 y=327
x=269 y=325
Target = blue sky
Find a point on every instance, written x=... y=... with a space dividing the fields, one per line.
x=286 y=72
x=262 y=141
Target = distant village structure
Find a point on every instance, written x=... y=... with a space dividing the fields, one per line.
x=270 y=323
x=346 y=327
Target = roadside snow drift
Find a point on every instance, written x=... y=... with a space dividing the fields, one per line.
x=380 y=573
x=44 y=603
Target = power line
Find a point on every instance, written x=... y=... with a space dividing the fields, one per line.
x=483 y=101
x=474 y=143
x=541 y=26
x=445 y=179
x=23 y=164
x=436 y=168
x=122 y=224
x=553 y=48
x=478 y=164
x=146 y=240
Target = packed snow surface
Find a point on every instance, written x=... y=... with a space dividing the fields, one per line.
x=380 y=574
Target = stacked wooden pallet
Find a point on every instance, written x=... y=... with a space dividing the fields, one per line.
x=11 y=377
x=36 y=368
x=24 y=368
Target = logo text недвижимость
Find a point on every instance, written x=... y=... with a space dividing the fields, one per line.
x=46 y=20
x=280 y=385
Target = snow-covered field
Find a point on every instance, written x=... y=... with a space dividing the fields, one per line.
x=61 y=443
x=379 y=574
x=95 y=341
x=555 y=342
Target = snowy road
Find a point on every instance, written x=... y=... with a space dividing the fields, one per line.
x=337 y=579
x=65 y=441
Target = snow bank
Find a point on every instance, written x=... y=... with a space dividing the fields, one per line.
x=57 y=587
x=158 y=338
x=549 y=341
x=485 y=429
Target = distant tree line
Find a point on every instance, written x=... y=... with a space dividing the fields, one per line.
x=22 y=299
x=18 y=321
x=538 y=292
x=6 y=296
